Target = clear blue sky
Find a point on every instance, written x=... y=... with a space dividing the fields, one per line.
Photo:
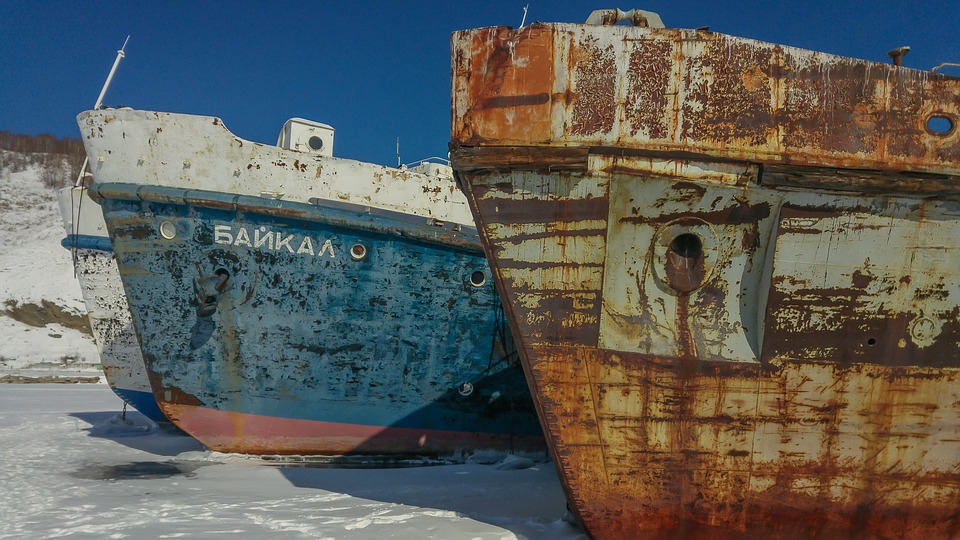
x=374 y=70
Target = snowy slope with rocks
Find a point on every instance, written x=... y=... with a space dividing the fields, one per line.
x=42 y=316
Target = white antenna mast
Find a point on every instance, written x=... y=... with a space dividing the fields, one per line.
x=103 y=92
x=106 y=84
x=75 y=218
x=398 y=153
x=524 y=15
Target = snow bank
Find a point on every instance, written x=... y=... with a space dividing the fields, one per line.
x=34 y=269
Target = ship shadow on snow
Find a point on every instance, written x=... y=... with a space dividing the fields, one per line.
x=514 y=499
x=134 y=430
x=504 y=488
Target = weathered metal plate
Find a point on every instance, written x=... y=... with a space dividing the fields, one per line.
x=849 y=285
x=665 y=412
x=715 y=316
x=273 y=327
x=199 y=152
x=697 y=92
x=106 y=304
x=735 y=295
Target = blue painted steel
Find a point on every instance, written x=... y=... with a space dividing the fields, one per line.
x=143 y=402
x=87 y=241
x=257 y=306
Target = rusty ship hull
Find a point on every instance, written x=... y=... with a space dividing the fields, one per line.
x=730 y=268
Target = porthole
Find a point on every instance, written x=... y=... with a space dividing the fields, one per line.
x=358 y=252
x=168 y=230
x=478 y=278
x=938 y=124
x=315 y=143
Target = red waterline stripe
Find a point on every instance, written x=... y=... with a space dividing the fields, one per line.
x=226 y=431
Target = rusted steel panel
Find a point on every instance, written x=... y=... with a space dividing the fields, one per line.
x=852 y=285
x=736 y=300
x=674 y=302
x=810 y=451
x=697 y=92
x=673 y=411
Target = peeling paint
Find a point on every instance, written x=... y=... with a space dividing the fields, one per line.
x=106 y=305
x=731 y=266
x=264 y=350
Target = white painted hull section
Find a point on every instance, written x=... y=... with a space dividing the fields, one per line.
x=107 y=308
x=188 y=151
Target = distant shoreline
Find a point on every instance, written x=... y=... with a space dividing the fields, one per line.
x=47 y=379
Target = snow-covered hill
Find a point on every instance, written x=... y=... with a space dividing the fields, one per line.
x=42 y=316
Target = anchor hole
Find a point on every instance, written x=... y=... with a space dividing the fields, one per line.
x=871 y=341
x=687 y=246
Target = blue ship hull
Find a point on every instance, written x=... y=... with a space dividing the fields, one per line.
x=273 y=327
x=143 y=402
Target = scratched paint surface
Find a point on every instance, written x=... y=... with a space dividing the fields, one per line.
x=765 y=345
x=307 y=328
x=189 y=151
x=106 y=304
x=697 y=92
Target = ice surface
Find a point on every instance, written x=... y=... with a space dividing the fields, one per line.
x=71 y=467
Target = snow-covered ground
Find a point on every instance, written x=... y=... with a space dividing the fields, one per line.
x=72 y=468
x=36 y=278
